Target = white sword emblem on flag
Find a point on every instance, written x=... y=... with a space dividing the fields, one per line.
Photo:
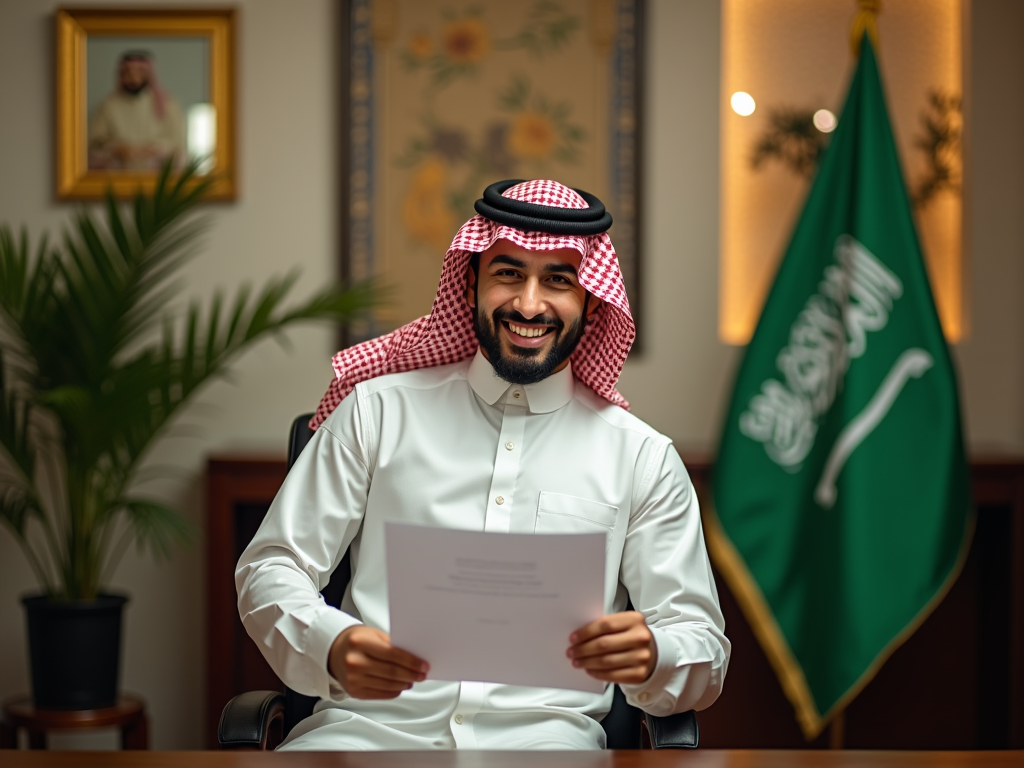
x=855 y=296
x=912 y=363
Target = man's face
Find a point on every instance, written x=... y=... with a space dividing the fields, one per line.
x=134 y=75
x=529 y=309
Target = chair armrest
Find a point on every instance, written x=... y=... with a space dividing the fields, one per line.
x=677 y=731
x=251 y=720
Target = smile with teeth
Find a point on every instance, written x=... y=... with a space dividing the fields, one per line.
x=527 y=332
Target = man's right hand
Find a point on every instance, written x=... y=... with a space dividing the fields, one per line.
x=368 y=666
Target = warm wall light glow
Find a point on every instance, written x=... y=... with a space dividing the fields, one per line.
x=825 y=121
x=742 y=103
x=796 y=54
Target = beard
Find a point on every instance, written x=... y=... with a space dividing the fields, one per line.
x=526 y=365
x=135 y=90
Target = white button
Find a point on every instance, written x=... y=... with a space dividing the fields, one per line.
x=458 y=719
x=500 y=500
x=644 y=697
x=510 y=445
x=516 y=394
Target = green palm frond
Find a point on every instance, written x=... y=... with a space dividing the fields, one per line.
x=95 y=364
x=19 y=503
x=15 y=414
x=158 y=528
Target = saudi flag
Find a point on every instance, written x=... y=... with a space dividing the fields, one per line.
x=841 y=504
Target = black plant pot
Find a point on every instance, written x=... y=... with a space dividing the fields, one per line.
x=75 y=651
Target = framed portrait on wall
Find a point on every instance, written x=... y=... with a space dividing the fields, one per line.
x=441 y=98
x=137 y=88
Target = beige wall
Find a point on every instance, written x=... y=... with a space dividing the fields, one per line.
x=679 y=382
x=286 y=217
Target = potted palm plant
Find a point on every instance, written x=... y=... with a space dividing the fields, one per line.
x=94 y=365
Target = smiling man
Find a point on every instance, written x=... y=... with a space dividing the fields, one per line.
x=529 y=309
x=496 y=412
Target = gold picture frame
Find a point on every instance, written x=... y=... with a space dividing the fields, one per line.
x=202 y=41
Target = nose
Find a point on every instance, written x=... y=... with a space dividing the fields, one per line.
x=530 y=301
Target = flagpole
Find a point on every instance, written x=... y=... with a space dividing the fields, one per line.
x=866 y=21
x=836 y=731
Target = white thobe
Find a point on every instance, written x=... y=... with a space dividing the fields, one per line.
x=132 y=120
x=456 y=446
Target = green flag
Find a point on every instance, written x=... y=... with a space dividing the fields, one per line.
x=841 y=504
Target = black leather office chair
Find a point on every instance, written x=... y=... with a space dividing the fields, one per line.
x=261 y=719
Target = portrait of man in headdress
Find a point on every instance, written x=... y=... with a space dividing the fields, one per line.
x=138 y=126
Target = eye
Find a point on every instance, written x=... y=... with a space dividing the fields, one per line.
x=561 y=279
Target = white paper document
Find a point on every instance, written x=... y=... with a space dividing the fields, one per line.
x=494 y=607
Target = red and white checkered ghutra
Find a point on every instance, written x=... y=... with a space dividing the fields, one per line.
x=446 y=335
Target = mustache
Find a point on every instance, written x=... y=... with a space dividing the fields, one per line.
x=512 y=316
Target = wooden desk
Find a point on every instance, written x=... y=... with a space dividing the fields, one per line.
x=701 y=758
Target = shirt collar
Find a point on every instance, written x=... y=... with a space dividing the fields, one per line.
x=545 y=396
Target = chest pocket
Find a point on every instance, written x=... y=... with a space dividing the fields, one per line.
x=560 y=513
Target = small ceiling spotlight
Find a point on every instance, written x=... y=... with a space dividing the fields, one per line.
x=825 y=121
x=742 y=103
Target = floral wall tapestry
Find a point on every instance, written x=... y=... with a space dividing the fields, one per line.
x=446 y=97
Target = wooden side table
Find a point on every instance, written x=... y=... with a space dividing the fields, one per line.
x=129 y=714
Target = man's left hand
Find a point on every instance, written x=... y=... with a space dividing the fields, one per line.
x=617 y=648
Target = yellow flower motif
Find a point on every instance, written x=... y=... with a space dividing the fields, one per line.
x=425 y=211
x=466 y=41
x=533 y=137
x=420 y=45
